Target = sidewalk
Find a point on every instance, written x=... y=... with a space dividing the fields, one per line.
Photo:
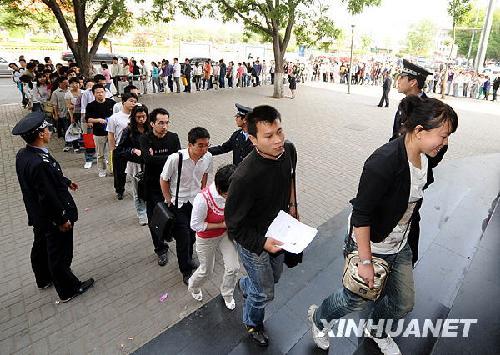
x=334 y=134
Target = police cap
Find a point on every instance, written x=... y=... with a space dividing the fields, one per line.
x=414 y=70
x=242 y=110
x=30 y=123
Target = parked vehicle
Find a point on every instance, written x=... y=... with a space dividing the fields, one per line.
x=98 y=57
x=4 y=67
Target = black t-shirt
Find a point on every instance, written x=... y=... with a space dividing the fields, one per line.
x=153 y=163
x=99 y=110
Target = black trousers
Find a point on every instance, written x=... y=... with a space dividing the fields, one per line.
x=184 y=237
x=51 y=258
x=119 y=175
x=187 y=88
x=385 y=97
x=152 y=199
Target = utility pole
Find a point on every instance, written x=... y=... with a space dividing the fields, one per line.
x=483 y=40
x=350 y=61
x=472 y=38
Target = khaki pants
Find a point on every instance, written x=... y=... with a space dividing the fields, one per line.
x=205 y=248
x=100 y=147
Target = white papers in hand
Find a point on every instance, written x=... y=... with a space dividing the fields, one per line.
x=294 y=234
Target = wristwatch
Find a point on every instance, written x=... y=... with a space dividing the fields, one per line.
x=365 y=262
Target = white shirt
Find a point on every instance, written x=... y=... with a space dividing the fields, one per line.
x=191 y=175
x=398 y=238
x=88 y=97
x=176 y=70
x=117 y=123
x=200 y=208
x=117 y=107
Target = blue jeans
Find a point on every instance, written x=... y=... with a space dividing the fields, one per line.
x=263 y=272
x=397 y=298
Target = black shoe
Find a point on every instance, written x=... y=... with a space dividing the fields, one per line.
x=46 y=286
x=258 y=336
x=163 y=259
x=84 y=286
x=379 y=105
x=119 y=195
x=186 y=276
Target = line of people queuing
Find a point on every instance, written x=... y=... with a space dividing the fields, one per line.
x=233 y=213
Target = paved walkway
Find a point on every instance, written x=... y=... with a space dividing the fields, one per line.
x=334 y=134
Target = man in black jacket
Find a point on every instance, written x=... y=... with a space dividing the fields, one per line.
x=260 y=187
x=238 y=143
x=386 y=87
x=50 y=207
x=186 y=72
x=156 y=146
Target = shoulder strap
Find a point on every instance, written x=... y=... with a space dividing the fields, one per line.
x=179 y=170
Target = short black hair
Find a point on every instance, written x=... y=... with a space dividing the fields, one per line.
x=115 y=58
x=156 y=112
x=104 y=65
x=197 y=133
x=129 y=88
x=74 y=80
x=97 y=86
x=128 y=95
x=31 y=136
x=222 y=177
x=98 y=77
x=263 y=113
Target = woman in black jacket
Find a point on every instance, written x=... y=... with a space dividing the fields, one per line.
x=390 y=190
x=129 y=149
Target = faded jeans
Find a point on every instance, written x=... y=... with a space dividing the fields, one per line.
x=140 y=205
x=263 y=272
x=397 y=298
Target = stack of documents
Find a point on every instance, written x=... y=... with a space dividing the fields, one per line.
x=294 y=235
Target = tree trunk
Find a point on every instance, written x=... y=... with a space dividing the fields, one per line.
x=82 y=59
x=278 y=69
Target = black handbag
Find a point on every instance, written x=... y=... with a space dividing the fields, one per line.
x=163 y=218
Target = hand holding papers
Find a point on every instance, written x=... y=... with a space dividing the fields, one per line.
x=294 y=234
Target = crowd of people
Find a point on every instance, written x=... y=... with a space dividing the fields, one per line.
x=455 y=81
x=232 y=214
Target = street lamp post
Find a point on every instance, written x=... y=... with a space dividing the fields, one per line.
x=350 y=62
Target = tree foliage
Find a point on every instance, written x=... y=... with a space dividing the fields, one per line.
x=420 y=39
x=276 y=20
x=464 y=36
x=458 y=11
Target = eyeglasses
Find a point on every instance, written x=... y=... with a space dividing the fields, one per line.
x=201 y=145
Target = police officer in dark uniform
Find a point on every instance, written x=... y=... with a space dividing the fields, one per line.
x=238 y=142
x=411 y=82
x=50 y=207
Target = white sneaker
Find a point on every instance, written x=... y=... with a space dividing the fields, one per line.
x=230 y=305
x=197 y=296
x=320 y=337
x=386 y=345
x=87 y=165
x=143 y=221
x=102 y=174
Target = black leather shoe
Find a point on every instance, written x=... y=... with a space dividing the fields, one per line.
x=258 y=336
x=119 y=196
x=163 y=259
x=84 y=286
